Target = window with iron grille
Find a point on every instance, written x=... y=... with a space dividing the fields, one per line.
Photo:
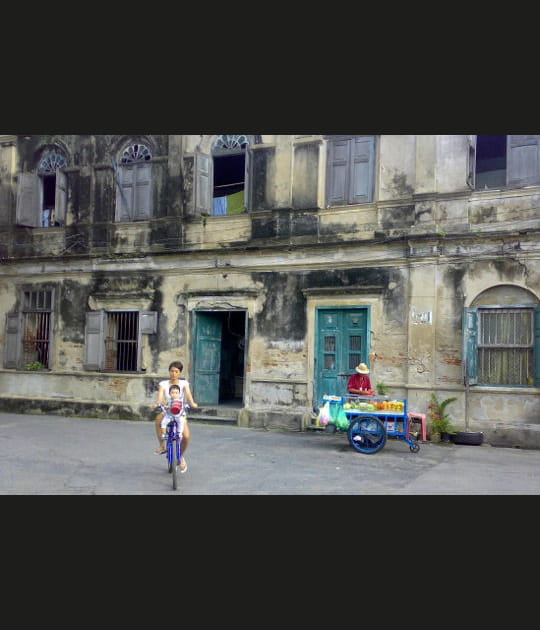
x=501 y=346
x=121 y=341
x=37 y=307
x=113 y=339
x=28 y=331
x=505 y=346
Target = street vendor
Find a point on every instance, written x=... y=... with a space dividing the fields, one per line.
x=360 y=382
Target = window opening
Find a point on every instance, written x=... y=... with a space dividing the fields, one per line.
x=50 y=162
x=491 y=162
x=122 y=341
x=505 y=346
x=37 y=309
x=133 y=184
x=330 y=353
x=229 y=156
x=355 y=351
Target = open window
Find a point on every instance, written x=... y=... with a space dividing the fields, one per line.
x=41 y=196
x=133 y=175
x=222 y=177
x=506 y=161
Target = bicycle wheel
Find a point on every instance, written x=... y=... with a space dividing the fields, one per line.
x=175 y=463
x=367 y=434
x=170 y=454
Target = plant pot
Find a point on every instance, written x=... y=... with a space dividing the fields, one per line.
x=445 y=437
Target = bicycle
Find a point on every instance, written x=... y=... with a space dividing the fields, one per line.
x=174 y=439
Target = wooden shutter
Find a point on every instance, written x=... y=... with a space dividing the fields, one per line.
x=362 y=169
x=248 y=201
x=124 y=193
x=12 y=346
x=523 y=160
x=28 y=200
x=469 y=356
x=471 y=161
x=148 y=322
x=142 y=201
x=60 y=200
x=94 y=340
x=537 y=346
x=204 y=182
x=337 y=172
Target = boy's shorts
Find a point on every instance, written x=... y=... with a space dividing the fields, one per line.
x=180 y=419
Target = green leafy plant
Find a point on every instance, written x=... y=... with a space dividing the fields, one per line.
x=440 y=420
x=34 y=365
x=382 y=389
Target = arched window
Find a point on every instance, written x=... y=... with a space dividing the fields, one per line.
x=50 y=161
x=501 y=338
x=41 y=196
x=134 y=184
x=232 y=142
x=136 y=153
x=222 y=178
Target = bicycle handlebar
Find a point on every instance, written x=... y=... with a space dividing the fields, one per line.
x=165 y=409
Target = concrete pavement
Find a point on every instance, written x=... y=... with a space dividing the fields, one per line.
x=59 y=455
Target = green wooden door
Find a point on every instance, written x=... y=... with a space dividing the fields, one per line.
x=207 y=360
x=342 y=342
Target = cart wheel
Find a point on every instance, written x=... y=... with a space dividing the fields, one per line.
x=330 y=428
x=413 y=445
x=367 y=434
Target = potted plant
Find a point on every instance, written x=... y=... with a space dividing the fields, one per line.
x=382 y=389
x=34 y=366
x=440 y=420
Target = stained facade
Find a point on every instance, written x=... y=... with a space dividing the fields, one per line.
x=271 y=265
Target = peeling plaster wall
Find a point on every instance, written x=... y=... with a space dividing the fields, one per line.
x=397 y=167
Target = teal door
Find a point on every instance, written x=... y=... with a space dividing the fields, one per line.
x=342 y=342
x=207 y=360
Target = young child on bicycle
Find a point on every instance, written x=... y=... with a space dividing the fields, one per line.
x=176 y=409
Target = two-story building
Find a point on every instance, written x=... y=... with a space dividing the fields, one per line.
x=271 y=265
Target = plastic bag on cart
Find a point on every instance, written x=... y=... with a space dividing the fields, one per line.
x=341 y=421
x=324 y=416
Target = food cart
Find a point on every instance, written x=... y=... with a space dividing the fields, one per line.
x=369 y=421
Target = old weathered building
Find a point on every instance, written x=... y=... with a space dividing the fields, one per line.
x=271 y=265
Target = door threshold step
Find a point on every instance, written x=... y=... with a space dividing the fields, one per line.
x=211 y=419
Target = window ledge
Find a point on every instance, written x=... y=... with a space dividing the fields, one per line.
x=505 y=389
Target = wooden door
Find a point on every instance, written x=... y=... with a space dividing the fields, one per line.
x=342 y=341
x=207 y=359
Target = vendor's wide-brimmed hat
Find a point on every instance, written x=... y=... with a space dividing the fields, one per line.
x=362 y=368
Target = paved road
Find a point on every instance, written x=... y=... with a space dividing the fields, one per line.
x=82 y=456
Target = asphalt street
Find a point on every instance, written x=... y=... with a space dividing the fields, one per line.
x=42 y=454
